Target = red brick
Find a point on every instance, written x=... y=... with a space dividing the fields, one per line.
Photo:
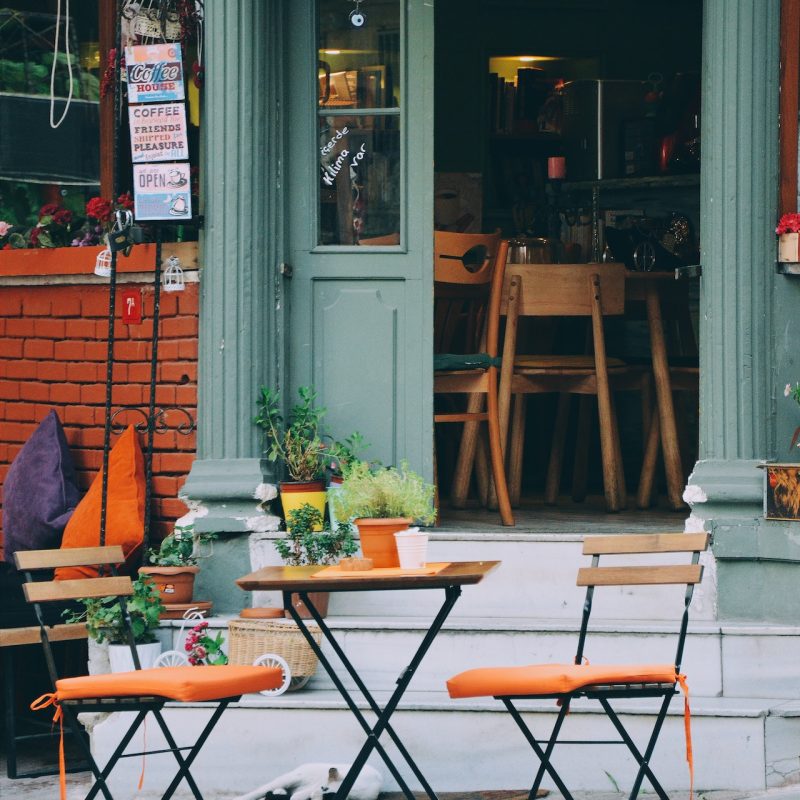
x=21 y=412
x=38 y=348
x=17 y=432
x=189 y=301
x=165 y=486
x=10 y=348
x=22 y=370
x=51 y=371
x=186 y=396
x=67 y=303
x=128 y=395
x=132 y=351
x=188 y=349
x=69 y=351
x=10 y=303
x=2 y=326
x=78 y=415
x=119 y=373
x=9 y=390
x=165 y=395
x=180 y=372
x=65 y=393
x=81 y=372
x=168 y=350
x=142 y=331
x=179 y=463
x=82 y=329
x=87 y=437
x=37 y=304
x=20 y=327
x=186 y=443
x=172 y=507
x=92 y=394
x=37 y=392
x=94 y=304
x=139 y=373
x=49 y=328
x=179 y=327
x=95 y=351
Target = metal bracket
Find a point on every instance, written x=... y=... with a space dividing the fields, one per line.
x=286 y=270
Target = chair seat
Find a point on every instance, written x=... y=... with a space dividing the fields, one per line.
x=551 y=679
x=562 y=362
x=447 y=362
x=185 y=684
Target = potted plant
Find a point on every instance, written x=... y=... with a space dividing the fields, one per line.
x=173 y=565
x=105 y=623
x=382 y=501
x=297 y=443
x=788 y=231
x=341 y=457
x=308 y=542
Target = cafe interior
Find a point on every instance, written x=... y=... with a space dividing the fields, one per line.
x=571 y=131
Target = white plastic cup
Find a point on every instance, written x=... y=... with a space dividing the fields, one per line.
x=412 y=548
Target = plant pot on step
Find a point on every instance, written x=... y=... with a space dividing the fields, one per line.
x=121 y=659
x=295 y=494
x=319 y=599
x=174 y=584
x=377 y=539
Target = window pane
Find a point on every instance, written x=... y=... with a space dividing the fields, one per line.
x=359 y=65
x=40 y=165
x=360 y=180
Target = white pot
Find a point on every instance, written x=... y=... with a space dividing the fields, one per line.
x=119 y=655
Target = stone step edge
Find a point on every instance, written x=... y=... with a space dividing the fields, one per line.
x=439 y=702
x=381 y=624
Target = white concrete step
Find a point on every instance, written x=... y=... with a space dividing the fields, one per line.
x=739 y=744
x=535 y=579
x=734 y=660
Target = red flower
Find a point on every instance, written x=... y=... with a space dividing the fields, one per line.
x=49 y=210
x=7 y=247
x=99 y=209
x=126 y=201
x=62 y=217
x=33 y=237
x=788 y=223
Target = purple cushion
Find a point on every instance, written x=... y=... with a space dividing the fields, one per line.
x=40 y=492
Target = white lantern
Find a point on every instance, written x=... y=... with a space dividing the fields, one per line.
x=102 y=264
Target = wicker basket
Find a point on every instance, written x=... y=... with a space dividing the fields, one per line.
x=250 y=638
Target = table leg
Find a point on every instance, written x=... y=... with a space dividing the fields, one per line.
x=452 y=594
x=666 y=409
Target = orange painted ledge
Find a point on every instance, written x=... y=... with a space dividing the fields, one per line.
x=80 y=260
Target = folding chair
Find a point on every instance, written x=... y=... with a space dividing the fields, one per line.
x=142 y=690
x=603 y=683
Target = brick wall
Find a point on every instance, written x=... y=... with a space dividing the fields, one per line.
x=53 y=347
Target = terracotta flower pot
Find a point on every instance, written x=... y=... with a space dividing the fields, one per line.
x=377 y=539
x=295 y=494
x=319 y=599
x=174 y=584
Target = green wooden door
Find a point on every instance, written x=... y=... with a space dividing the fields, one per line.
x=359 y=178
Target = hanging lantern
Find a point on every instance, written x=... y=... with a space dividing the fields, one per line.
x=173 y=275
x=102 y=264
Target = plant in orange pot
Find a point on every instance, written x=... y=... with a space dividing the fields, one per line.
x=382 y=501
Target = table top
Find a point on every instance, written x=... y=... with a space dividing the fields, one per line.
x=298 y=579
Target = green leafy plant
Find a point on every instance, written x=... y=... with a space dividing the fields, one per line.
x=104 y=620
x=297 y=441
x=304 y=545
x=179 y=549
x=384 y=492
x=342 y=455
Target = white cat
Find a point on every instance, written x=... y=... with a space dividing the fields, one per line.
x=313 y=781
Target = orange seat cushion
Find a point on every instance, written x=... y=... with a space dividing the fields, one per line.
x=548 y=679
x=186 y=684
x=125 y=512
x=561 y=362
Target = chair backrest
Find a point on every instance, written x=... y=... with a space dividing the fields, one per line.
x=566 y=290
x=45 y=591
x=468 y=277
x=660 y=574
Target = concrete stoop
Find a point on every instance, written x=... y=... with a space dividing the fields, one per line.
x=740 y=744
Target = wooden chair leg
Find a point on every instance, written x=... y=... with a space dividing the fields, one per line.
x=436 y=503
x=496 y=453
x=580 y=466
x=622 y=491
x=557 y=450
x=516 y=448
x=466 y=455
x=644 y=496
x=482 y=469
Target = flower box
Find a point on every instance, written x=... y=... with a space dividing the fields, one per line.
x=80 y=260
x=781 y=491
x=789 y=247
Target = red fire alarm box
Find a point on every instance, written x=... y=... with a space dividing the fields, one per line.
x=132 y=306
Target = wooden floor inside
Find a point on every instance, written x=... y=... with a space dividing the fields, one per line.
x=534 y=517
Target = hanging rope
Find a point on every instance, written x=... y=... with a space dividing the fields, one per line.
x=53 y=123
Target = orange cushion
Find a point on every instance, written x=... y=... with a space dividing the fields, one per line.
x=561 y=362
x=545 y=679
x=125 y=512
x=186 y=684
